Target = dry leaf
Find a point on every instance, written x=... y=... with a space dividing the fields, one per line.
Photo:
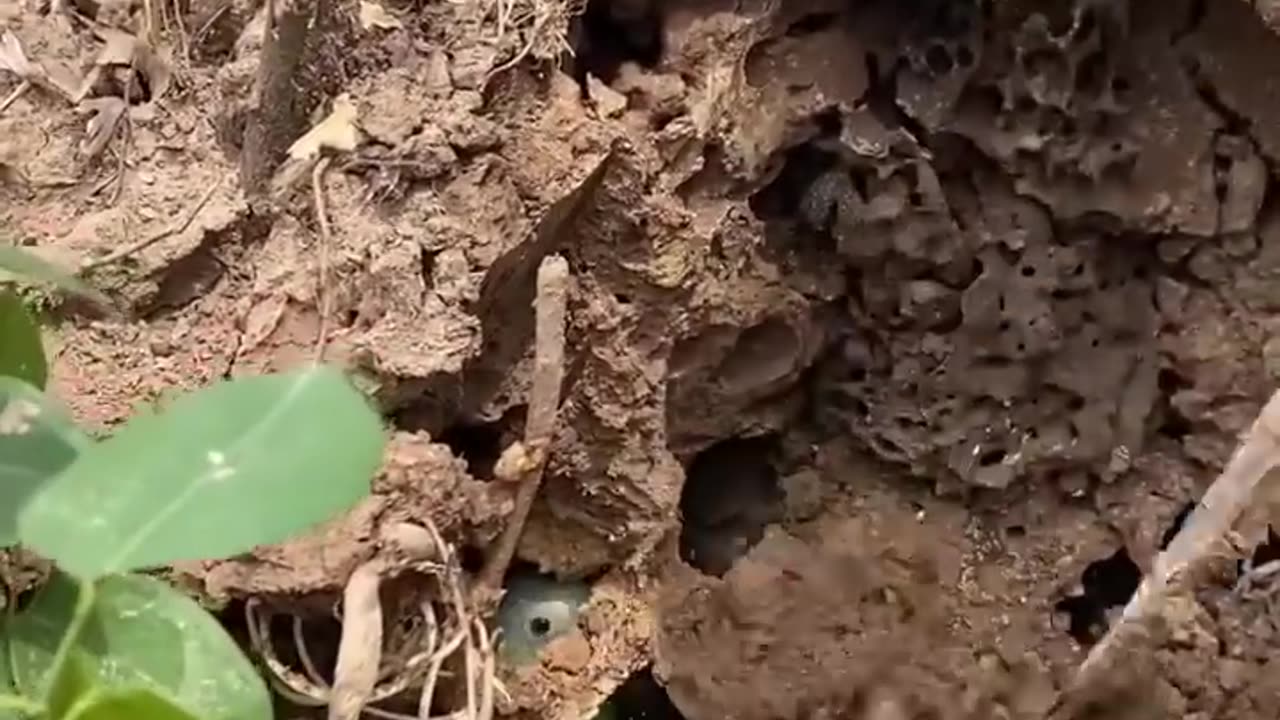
x=373 y=15
x=154 y=68
x=337 y=132
x=107 y=112
x=263 y=319
x=120 y=48
x=14 y=59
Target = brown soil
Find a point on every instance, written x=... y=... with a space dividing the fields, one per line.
x=902 y=333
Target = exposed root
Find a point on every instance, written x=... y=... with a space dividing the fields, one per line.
x=525 y=463
x=535 y=28
x=362 y=677
x=326 y=237
x=130 y=249
x=1205 y=530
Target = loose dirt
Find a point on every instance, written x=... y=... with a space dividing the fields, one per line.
x=902 y=333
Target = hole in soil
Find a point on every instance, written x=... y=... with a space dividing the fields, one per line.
x=481 y=444
x=1172 y=423
x=640 y=697
x=1107 y=584
x=730 y=494
x=782 y=197
x=1268 y=550
x=611 y=33
x=478 y=445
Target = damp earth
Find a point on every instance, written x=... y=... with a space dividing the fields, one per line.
x=902 y=333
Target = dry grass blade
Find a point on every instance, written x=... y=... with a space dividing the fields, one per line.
x=539 y=27
x=544 y=406
x=1207 y=527
x=360 y=650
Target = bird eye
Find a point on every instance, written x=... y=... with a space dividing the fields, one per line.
x=539 y=626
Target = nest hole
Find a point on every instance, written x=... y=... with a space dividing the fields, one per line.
x=731 y=493
x=608 y=34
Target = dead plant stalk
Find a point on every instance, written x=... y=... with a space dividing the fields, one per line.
x=1209 y=524
x=326 y=238
x=544 y=405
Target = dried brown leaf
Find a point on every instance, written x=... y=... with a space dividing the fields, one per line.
x=107 y=112
x=118 y=48
x=373 y=15
x=14 y=59
x=122 y=49
x=336 y=132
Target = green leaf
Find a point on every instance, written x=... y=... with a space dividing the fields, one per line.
x=37 y=441
x=139 y=633
x=33 y=268
x=128 y=704
x=12 y=705
x=243 y=463
x=43 y=637
x=21 y=352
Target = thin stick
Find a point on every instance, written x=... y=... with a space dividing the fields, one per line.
x=1215 y=515
x=326 y=234
x=125 y=129
x=12 y=97
x=157 y=237
x=544 y=404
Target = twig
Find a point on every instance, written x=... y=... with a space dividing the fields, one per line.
x=326 y=235
x=1215 y=515
x=126 y=132
x=147 y=242
x=12 y=97
x=544 y=404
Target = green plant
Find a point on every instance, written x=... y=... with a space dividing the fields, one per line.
x=218 y=471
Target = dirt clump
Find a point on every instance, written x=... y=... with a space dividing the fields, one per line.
x=901 y=334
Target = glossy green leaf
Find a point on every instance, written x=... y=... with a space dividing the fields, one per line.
x=139 y=634
x=243 y=463
x=37 y=441
x=12 y=705
x=21 y=351
x=42 y=639
x=28 y=266
x=127 y=704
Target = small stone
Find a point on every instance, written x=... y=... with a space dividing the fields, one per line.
x=1271 y=358
x=1207 y=264
x=803 y=491
x=1233 y=674
x=1171 y=297
x=608 y=101
x=437 y=79
x=471 y=66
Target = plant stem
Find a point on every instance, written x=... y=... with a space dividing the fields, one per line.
x=22 y=705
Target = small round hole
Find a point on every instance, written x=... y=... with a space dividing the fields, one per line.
x=939 y=60
x=540 y=626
